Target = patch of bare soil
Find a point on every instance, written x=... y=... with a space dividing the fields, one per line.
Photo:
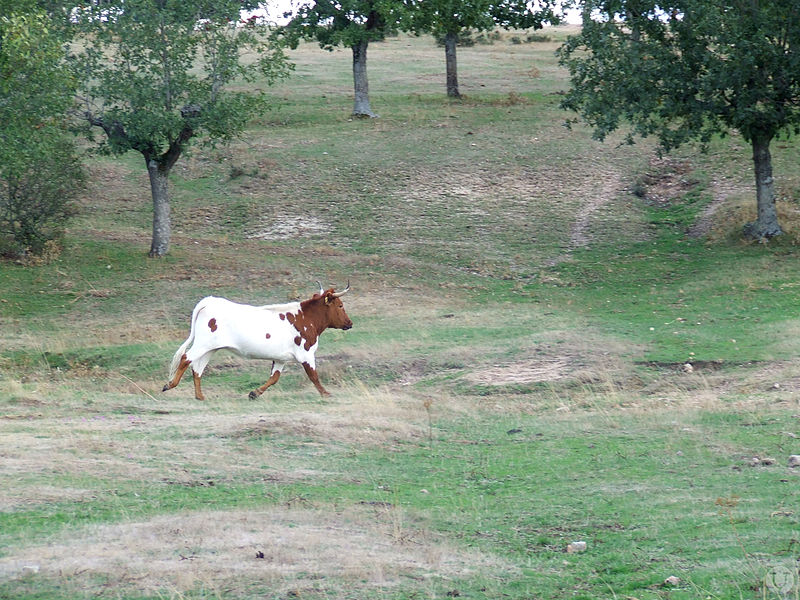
x=524 y=372
x=288 y=227
x=281 y=548
x=667 y=179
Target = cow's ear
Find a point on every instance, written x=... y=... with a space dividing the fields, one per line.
x=328 y=298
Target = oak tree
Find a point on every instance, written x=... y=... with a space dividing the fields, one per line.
x=448 y=19
x=349 y=23
x=685 y=70
x=157 y=74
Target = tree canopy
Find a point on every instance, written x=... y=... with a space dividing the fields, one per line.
x=689 y=70
x=343 y=23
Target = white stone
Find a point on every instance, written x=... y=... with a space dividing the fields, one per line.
x=576 y=547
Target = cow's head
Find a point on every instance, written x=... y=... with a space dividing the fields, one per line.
x=334 y=307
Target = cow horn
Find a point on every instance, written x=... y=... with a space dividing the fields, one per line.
x=321 y=290
x=344 y=291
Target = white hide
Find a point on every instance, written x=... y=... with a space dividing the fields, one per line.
x=243 y=329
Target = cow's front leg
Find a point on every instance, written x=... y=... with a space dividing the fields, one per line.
x=312 y=375
x=273 y=379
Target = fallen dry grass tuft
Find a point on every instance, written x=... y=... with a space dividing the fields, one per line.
x=361 y=416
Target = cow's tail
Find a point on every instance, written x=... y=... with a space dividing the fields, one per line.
x=180 y=352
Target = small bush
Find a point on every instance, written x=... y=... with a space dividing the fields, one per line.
x=467 y=38
x=37 y=188
x=538 y=37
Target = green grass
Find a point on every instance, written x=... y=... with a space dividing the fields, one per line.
x=514 y=381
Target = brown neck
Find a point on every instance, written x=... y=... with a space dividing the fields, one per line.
x=314 y=313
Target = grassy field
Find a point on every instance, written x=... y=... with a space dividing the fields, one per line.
x=555 y=341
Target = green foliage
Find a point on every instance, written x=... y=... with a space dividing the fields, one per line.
x=36 y=186
x=168 y=81
x=40 y=171
x=440 y=17
x=347 y=23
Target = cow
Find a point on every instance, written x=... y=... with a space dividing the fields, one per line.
x=277 y=332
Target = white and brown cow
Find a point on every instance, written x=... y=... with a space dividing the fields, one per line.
x=277 y=332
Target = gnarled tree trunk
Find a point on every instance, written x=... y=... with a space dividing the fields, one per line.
x=766 y=225
x=450 y=42
x=361 y=106
x=162 y=228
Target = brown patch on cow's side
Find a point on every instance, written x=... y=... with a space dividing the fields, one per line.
x=212 y=325
x=304 y=323
x=282 y=316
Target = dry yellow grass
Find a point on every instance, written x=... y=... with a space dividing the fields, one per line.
x=280 y=548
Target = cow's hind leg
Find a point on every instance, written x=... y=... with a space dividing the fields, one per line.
x=273 y=379
x=176 y=379
x=312 y=375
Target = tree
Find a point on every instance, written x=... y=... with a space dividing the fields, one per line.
x=155 y=76
x=40 y=171
x=349 y=23
x=449 y=18
x=689 y=70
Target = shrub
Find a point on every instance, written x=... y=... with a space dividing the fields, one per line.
x=465 y=39
x=37 y=189
x=538 y=37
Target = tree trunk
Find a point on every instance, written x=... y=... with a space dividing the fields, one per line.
x=766 y=225
x=161 y=221
x=361 y=106
x=450 y=40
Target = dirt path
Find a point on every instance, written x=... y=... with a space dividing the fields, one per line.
x=597 y=198
x=721 y=190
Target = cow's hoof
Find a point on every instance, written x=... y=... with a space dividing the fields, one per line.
x=165 y=388
x=252 y=395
